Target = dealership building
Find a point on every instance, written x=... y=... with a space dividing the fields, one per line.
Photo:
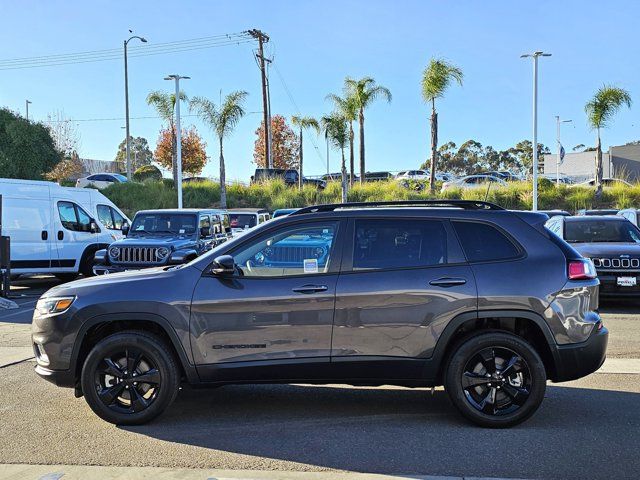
x=618 y=162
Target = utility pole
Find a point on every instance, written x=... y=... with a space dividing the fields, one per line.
x=262 y=39
x=27 y=103
x=178 y=134
x=535 y=56
x=559 y=147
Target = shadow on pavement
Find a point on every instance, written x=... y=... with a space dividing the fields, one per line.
x=408 y=431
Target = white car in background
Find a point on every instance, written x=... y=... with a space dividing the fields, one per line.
x=100 y=180
x=474 y=181
x=412 y=175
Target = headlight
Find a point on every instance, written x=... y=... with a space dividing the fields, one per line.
x=47 y=307
x=162 y=252
x=114 y=252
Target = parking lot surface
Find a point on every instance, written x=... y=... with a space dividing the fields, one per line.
x=584 y=429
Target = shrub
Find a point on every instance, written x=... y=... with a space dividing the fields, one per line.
x=147 y=173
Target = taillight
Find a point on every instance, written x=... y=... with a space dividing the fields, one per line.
x=581 y=269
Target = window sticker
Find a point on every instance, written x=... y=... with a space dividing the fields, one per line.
x=310 y=265
x=181 y=230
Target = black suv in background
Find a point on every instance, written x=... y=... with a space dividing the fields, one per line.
x=163 y=237
x=613 y=245
x=465 y=294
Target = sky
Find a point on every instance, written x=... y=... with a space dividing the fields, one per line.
x=314 y=45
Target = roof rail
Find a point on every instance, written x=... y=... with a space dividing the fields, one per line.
x=463 y=204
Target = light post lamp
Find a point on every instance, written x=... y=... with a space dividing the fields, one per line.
x=126 y=101
x=559 y=147
x=177 y=78
x=535 y=56
x=27 y=103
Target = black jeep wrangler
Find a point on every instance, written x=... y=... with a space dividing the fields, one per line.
x=163 y=237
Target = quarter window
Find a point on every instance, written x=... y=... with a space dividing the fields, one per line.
x=73 y=217
x=483 y=243
x=300 y=250
x=387 y=244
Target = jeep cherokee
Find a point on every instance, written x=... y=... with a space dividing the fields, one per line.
x=485 y=301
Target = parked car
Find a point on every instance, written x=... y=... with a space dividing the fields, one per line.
x=160 y=238
x=607 y=182
x=631 y=214
x=319 y=183
x=596 y=212
x=612 y=243
x=337 y=177
x=56 y=229
x=363 y=294
x=100 y=180
x=242 y=219
x=473 y=181
x=377 y=176
x=283 y=211
x=412 y=175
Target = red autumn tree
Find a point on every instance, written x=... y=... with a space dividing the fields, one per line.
x=194 y=156
x=285 y=145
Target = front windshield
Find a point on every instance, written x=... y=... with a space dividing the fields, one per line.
x=164 y=223
x=242 y=220
x=601 y=231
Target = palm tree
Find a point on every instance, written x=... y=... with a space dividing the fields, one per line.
x=435 y=80
x=335 y=130
x=222 y=120
x=600 y=110
x=302 y=123
x=164 y=104
x=364 y=92
x=346 y=106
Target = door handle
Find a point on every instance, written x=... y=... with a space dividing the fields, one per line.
x=447 y=282
x=44 y=235
x=60 y=234
x=311 y=289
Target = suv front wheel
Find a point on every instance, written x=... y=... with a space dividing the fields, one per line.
x=130 y=378
x=496 y=379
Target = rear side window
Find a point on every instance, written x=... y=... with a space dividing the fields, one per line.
x=402 y=243
x=482 y=242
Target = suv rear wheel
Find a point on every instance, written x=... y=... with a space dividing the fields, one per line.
x=496 y=379
x=130 y=378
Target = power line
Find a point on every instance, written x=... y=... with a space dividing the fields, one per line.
x=113 y=119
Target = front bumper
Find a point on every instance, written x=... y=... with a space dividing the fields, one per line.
x=60 y=378
x=580 y=359
x=609 y=285
x=107 y=269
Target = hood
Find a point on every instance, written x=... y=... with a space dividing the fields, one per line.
x=73 y=288
x=607 y=249
x=176 y=241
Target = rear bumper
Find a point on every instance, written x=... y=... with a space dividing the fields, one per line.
x=579 y=360
x=60 y=378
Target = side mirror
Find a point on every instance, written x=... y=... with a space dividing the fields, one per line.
x=93 y=226
x=125 y=228
x=223 y=265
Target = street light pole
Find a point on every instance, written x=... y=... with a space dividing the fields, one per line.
x=126 y=102
x=559 y=147
x=178 y=135
x=27 y=103
x=535 y=56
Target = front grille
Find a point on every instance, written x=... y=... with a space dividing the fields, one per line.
x=138 y=255
x=617 y=263
x=291 y=254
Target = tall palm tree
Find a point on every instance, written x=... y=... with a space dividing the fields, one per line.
x=364 y=92
x=164 y=104
x=346 y=106
x=222 y=120
x=435 y=80
x=600 y=110
x=335 y=130
x=302 y=123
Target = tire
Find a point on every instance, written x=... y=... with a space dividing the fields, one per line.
x=86 y=264
x=114 y=393
x=511 y=393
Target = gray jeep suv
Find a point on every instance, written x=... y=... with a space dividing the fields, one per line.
x=465 y=294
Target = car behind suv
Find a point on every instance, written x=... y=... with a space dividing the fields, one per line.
x=484 y=301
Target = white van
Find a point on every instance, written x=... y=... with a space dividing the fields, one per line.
x=56 y=229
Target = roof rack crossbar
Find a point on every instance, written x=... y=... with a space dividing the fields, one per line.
x=464 y=204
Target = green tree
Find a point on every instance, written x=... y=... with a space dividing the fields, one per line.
x=347 y=107
x=303 y=123
x=140 y=152
x=27 y=149
x=222 y=120
x=335 y=130
x=523 y=153
x=600 y=111
x=363 y=93
x=436 y=78
x=165 y=104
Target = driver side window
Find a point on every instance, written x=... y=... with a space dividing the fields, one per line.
x=295 y=250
